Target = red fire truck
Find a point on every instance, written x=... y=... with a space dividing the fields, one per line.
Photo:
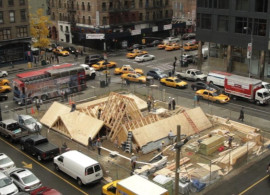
x=48 y=83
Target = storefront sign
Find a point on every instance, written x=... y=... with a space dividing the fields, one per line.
x=135 y=32
x=95 y=36
x=154 y=28
x=249 y=50
x=167 y=27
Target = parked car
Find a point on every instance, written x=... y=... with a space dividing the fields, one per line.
x=29 y=122
x=45 y=191
x=154 y=43
x=93 y=59
x=163 y=45
x=212 y=95
x=6 y=163
x=3 y=97
x=188 y=36
x=134 y=77
x=172 y=47
x=4 y=82
x=192 y=74
x=186 y=59
x=190 y=46
x=135 y=46
x=5 y=89
x=24 y=179
x=53 y=46
x=199 y=85
x=173 y=82
x=156 y=74
x=7 y=187
x=71 y=50
x=3 y=73
x=127 y=69
x=145 y=57
x=135 y=53
x=60 y=52
x=101 y=65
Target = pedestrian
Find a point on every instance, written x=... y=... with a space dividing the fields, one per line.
x=99 y=113
x=149 y=104
x=98 y=144
x=175 y=58
x=37 y=103
x=52 y=58
x=133 y=160
x=195 y=100
x=160 y=147
x=174 y=64
x=90 y=143
x=241 y=116
x=76 y=55
x=173 y=104
x=11 y=64
x=171 y=136
x=230 y=141
x=37 y=128
x=81 y=52
x=198 y=100
x=169 y=104
x=73 y=107
x=57 y=59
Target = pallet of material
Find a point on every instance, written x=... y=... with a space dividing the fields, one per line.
x=181 y=162
x=211 y=144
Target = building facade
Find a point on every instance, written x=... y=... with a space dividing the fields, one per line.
x=238 y=32
x=34 y=5
x=14 y=30
x=125 y=21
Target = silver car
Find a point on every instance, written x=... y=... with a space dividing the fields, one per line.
x=24 y=179
x=7 y=186
x=6 y=163
x=145 y=57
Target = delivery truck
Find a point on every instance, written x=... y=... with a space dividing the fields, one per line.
x=133 y=185
x=246 y=88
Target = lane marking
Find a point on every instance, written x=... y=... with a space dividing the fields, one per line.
x=83 y=192
x=265 y=177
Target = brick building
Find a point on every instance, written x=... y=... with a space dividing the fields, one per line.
x=14 y=30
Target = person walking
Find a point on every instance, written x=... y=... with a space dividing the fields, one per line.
x=171 y=136
x=241 y=116
x=173 y=104
x=90 y=143
x=174 y=65
x=160 y=147
x=195 y=100
x=230 y=141
x=98 y=144
x=170 y=104
x=133 y=160
x=149 y=104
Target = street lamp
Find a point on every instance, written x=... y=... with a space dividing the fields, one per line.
x=249 y=47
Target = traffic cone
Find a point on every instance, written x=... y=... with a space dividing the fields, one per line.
x=70 y=102
x=32 y=111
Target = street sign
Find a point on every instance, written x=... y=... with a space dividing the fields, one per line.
x=249 y=50
x=95 y=36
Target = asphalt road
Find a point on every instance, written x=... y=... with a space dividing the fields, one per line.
x=46 y=173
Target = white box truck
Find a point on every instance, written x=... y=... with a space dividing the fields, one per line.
x=79 y=166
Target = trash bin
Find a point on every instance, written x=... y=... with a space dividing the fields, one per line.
x=43 y=63
x=102 y=84
x=149 y=80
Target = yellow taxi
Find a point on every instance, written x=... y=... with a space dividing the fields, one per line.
x=134 y=77
x=163 y=45
x=5 y=88
x=172 y=47
x=190 y=46
x=127 y=69
x=213 y=96
x=101 y=65
x=173 y=82
x=4 y=82
x=135 y=52
x=60 y=52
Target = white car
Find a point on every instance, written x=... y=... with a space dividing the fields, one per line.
x=24 y=179
x=6 y=185
x=3 y=73
x=29 y=122
x=145 y=57
x=6 y=163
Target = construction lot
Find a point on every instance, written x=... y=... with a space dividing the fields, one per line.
x=125 y=126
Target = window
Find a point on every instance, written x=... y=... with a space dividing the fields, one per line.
x=140 y=4
x=89 y=171
x=104 y=21
x=23 y=15
x=154 y=15
x=198 y=20
x=5 y=34
x=141 y=17
x=22 y=2
x=103 y=6
x=221 y=4
x=11 y=16
x=1 y=18
x=89 y=19
x=223 y=23
x=261 y=6
x=110 y=5
x=259 y=27
x=166 y=2
x=206 y=21
x=78 y=6
x=97 y=168
x=132 y=4
x=88 y=6
x=10 y=2
x=242 y=5
x=126 y=5
x=1 y=3
x=59 y=4
x=166 y=14
x=147 y=16
x=53 y=16
x=67 y=30
x=78 y=19
x=21 y=31
x=83 y=19
x=241 y=23
x=83 y=6
x=205 y=3
x=61 y=27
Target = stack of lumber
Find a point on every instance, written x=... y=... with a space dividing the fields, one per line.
x=255 y=137
x=181 y=162
x=211 y=144
x=231 y=157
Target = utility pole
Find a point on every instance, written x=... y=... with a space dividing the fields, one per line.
x=177 y=165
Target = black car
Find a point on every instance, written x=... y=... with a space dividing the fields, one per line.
x=156 y=74
x=188 y=36
x=93 y=59
x=135 y=46
x=71 y=50
x=3 y=97
x=154 y=43
x=199 y=85
x=186 y=59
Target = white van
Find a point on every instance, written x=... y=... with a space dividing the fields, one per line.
x=171 y=40
x=217 y=77
x=79 y=166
